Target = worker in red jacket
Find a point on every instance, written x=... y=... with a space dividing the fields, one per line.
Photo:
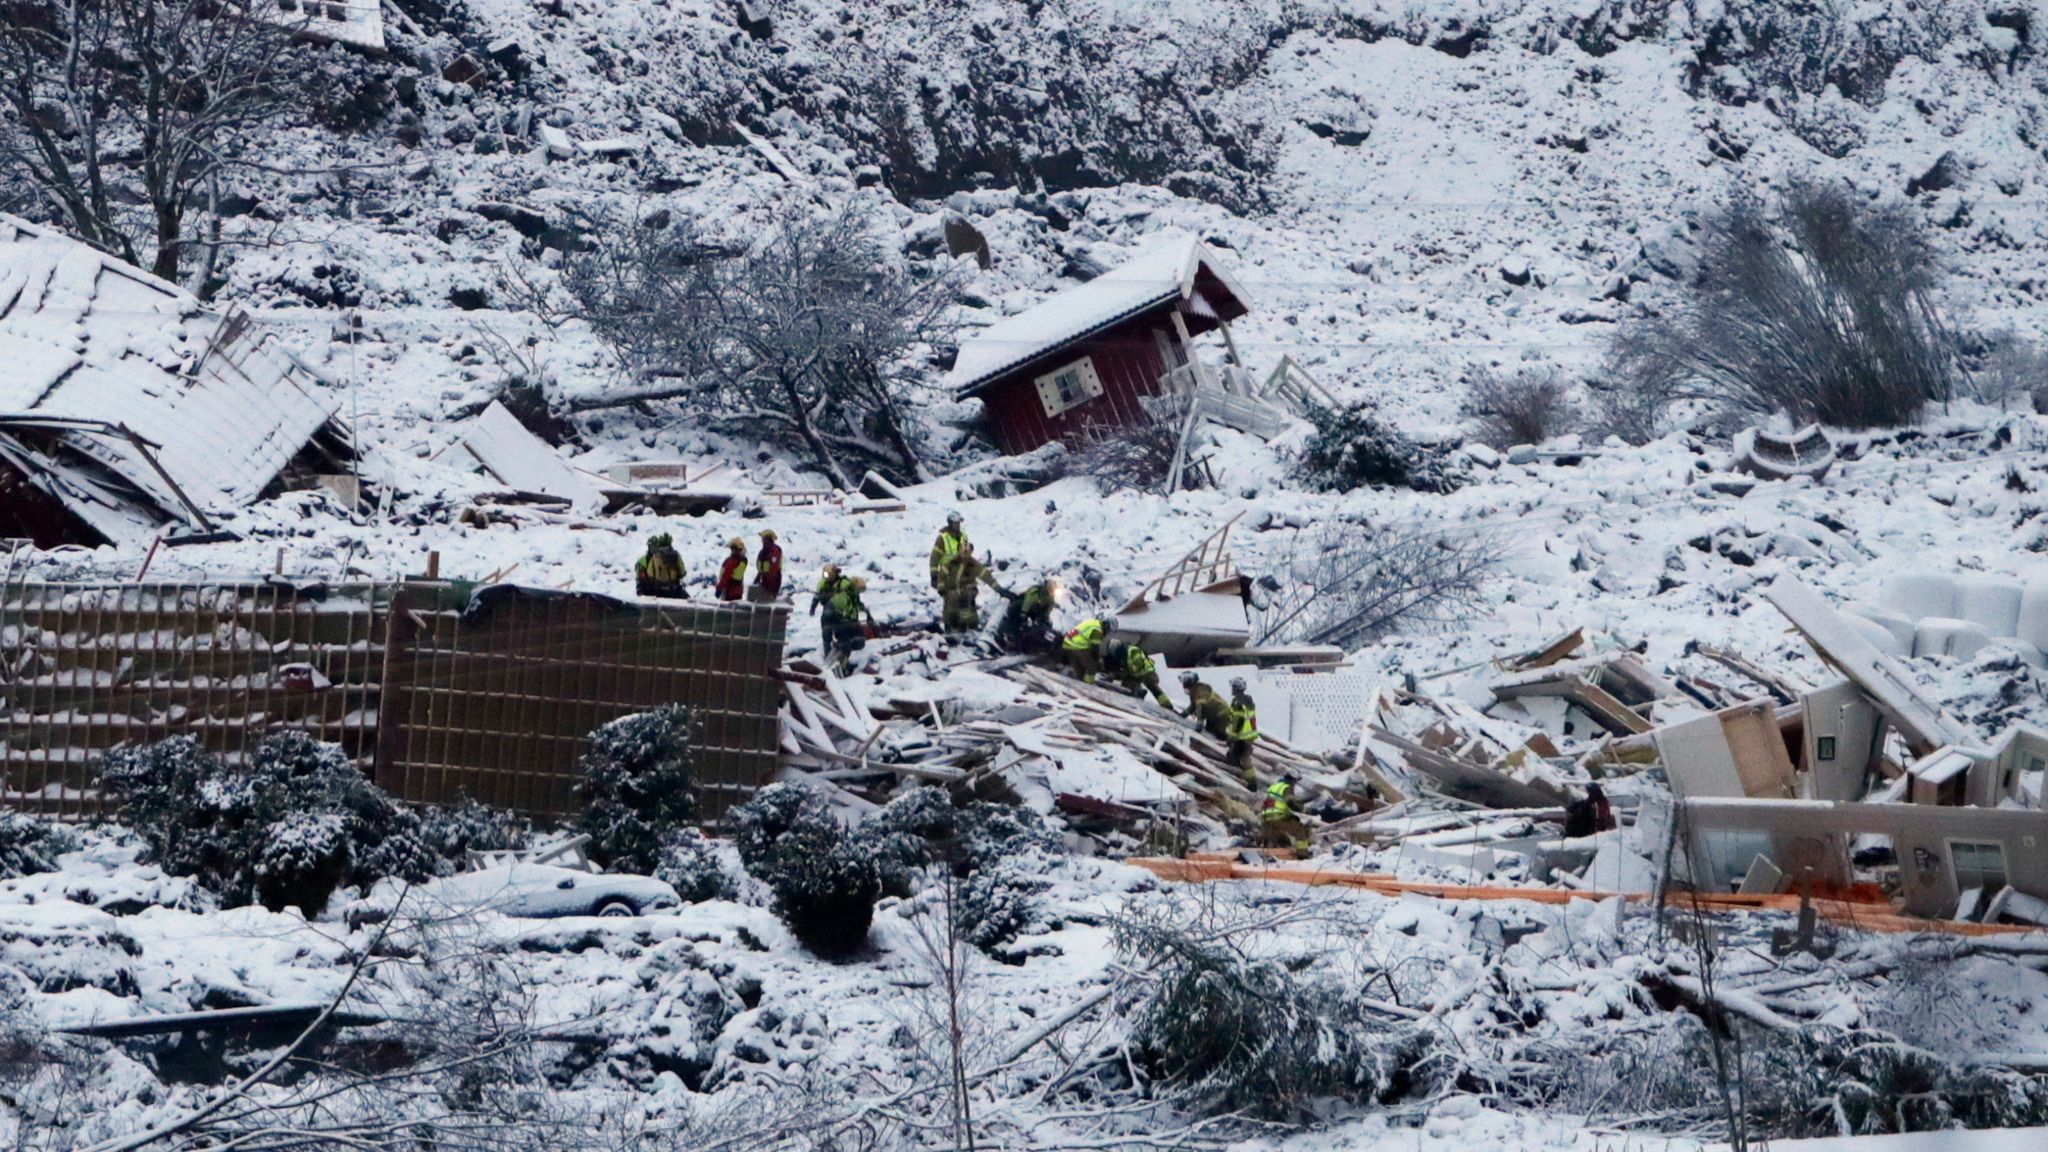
x=768 y=568
x=732 y=575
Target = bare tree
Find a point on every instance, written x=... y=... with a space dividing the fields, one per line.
x=1524 y=408
x=122 y=114
x=1349 y=584
x=1824 y=312
x=2014 y=367
x=810 y=336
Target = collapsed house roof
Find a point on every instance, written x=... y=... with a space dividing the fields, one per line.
x=129 y=408
x=1168 y=268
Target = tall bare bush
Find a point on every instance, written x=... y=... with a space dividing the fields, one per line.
x=1823 y=311
x=1523 y=408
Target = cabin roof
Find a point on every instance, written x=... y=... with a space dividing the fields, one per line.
x=1164 y=268
x=90 y=343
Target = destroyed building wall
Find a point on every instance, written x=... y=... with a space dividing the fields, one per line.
x=1941 y=852
x=437 y=693
x=1841 y=739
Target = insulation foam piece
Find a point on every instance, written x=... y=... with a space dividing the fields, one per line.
x=1897 y=624
x=1947 y=636
x=1919 y=595
x=2034 y=614
x=1882 y=637
x=1990 y=603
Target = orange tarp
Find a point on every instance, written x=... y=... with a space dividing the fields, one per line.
x=1861 y=906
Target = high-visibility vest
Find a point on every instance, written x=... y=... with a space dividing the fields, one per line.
x=1137 y=663
x=770 y=567
x=662 y=566
x=1277 y=795
x=846 y=600
x=1244 y=720
x=1083 y=636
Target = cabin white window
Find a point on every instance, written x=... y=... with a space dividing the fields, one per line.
x=1069 y=387
x=1978 y=864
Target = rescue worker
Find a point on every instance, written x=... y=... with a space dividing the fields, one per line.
x=1244 y=729
x=1134 y=671
x=1081 y=649
x=732 y=575
x=1280 y=819
x=1205 y=706
x=850 y=618
x=660 y=572
x=821 y=597
x=952 y=539
x=964 y=576
x=768 y=568
x=1026 y=625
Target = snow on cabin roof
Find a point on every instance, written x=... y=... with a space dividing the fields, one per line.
x=220 y=405
x=1162 y=268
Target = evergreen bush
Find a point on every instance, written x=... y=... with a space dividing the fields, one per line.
x=29 y=845
x=286 y=828
x=1352 y=448
x=690 y=864
x=825 y=876
x=638 y=781
x=998 y=854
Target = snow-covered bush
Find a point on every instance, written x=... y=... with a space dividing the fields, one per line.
x=1353 y=448
x=454 y=830
x=29 y=846
x=1137 y=457
x=638 y=781
x=292 y=823
x=997 y=853
x=1507 y=410
x=1247 y=1034
x=1824 y=312
x=690 y=863
x=1824 y=1081
x=825 y=876
x=21 y=1034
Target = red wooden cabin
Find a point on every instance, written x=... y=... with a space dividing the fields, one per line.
x=1081 y=361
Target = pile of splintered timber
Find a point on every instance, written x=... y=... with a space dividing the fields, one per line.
x=832 y=730
x=1171 y=744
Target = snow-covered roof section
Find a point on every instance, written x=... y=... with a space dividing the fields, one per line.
x=1163 y=268
x=516 y=458
x=90 y=344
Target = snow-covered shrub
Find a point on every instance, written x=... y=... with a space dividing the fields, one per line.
x=1824 y=312
x=998 y=855
x=21 y=1034
x=638 y=781
x=29 y=846
x=1353 y=448
x=1823 y=1081
x=1348 y=583
x=288 y=826
x=454 y=830
x=1520 y=409
x=304 y=853
x=824 y=875
x=1248 y=1034
x=1138 y=458
x=690 y=863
